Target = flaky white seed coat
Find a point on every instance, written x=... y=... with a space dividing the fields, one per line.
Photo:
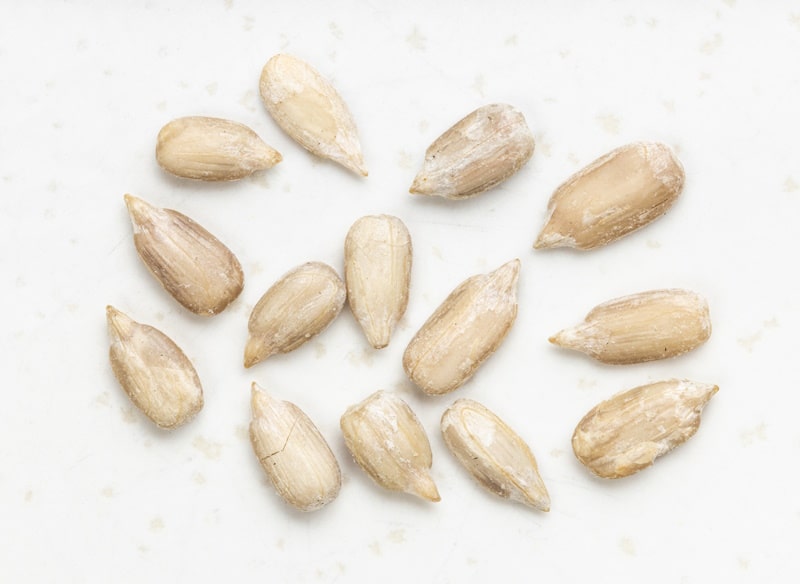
x=293 y=452
x=308 y=108
x=494 y=454
x=479 y=152
x=154 y=372
x=191 y=264
x=377 y=260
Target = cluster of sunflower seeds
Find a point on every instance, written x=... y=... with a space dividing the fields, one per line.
x=615 y=195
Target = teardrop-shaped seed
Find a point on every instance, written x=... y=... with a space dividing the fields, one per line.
x=615 y=195
x=464 y=331
x=494 y=454
x=293 y=453
x=308 y=108
x=191 y=264
x=626 y=433
x=657 y=324
x=297 y=307
x=377 y=266
x=386 y=439
x=153 y=371
x=212 y=149
x=479 y=152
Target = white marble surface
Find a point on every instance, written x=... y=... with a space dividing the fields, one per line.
x=92 y=492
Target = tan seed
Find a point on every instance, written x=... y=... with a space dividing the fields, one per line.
x=386 y=439
x=153 y=371
x=191 y=264
x=377 y=260
x=494 y=454
x=477 y=153
x=615 y=195
x=463 y=331
x=297 y=307
x=308 y=108
x=657 y=324
x=628 y=432
x=212 y=149
x=293 y=453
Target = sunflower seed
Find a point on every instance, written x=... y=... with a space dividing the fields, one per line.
x=464 y=331
x=494 y=454
x=308 y=108
x=477 y=153
x=153 y=371
x=615 y=195
x=657 y=324
x=377 y=260
x=298 y=306
x=293 y=453
x=192 y=265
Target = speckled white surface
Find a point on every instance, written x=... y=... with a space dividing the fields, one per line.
x=92 y=492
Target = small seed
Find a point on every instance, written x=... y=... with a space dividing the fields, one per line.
x=212 y=149
x=297 y=307
x=628 y=432
x=657 y=324
x=293 y=453
x=494 y=454
x=386 y=439
x=192 y=265
x=615 y=195
x=377 y=260
x=464 y=331
x=153 y=371
x=477 y=153
x=308 y=108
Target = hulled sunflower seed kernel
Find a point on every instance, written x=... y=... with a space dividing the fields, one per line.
x=657 y=324
x=626 y=433
x=613 y=196
x=154 y=372
x=387 y=440
x=212 y=149
x=191 y=264
x=293 y=453
x=479 y=152
x=494 y=454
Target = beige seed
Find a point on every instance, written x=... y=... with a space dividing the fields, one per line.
x=153 y=371
x=657 y=324
x=494 y=454
x=212 y=149
x=297 y=307
x=377 y=260
x=308 y=108
x=463 y=331
x=386 y=439
x=628 y=432
x=191 y=264
x=293 y=453
x=477 y=153
x=616 y=194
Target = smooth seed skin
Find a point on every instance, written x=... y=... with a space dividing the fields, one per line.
x=308 y=108
x=154 y=372
x=479 y=152
x=293 y=453
x=652 y=325
x=494 y=454
x=212 y=149
x=626 y=433
x=388 y=442
x=464 y=331
x=613 y=196
x=191 y=264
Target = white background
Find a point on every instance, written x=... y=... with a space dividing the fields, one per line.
x=91 y=491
